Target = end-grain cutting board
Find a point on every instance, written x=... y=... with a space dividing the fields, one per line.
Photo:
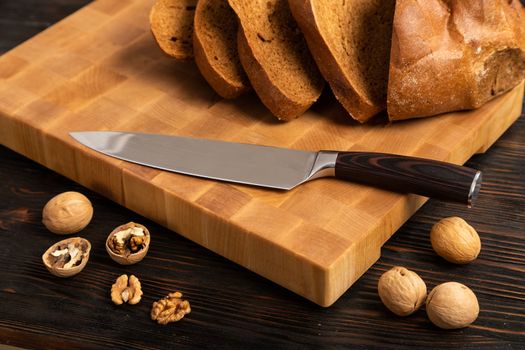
x=100 y=69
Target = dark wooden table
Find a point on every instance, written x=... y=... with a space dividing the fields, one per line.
x=234 y=308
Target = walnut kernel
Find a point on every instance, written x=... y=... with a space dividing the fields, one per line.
x=126 y=290
x=136 y=243
x=452 y=305
x=455 y=240
x=67 y=213
x=170 y=309
x=402 y=291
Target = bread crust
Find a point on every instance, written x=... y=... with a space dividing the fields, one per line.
x=453 y=55
x=225 y=86
x=359 y=106
x=163 y=13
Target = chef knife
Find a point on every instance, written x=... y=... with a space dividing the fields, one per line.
x=283 y=168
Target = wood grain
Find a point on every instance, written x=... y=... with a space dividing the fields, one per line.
x=234 y=308
x=424 y=177
x=100 y=69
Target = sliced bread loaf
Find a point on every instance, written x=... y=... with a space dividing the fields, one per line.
x=275 y=57
x=350 y=41
x=171 y=22
x=215 y=48
x=466 y=53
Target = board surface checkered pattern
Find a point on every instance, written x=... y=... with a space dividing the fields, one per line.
x=100 y=69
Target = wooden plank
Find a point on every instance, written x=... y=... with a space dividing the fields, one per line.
x=315 y=240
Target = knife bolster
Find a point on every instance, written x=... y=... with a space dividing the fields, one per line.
x=324 y=165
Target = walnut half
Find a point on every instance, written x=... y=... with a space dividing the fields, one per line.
x=67 y=257
x=128 y=244
x=126 y=290
x=170 y=309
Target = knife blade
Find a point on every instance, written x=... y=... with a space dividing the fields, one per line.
x=284 y=169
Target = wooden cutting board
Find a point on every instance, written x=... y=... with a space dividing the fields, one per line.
x=100 y=69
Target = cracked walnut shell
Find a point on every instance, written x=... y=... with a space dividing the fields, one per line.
x=170 y=309
x=128 y=244
x=67 y=213
x=455 y=240
x=452 y=305
x=67 y=257
x=126 y=290
x=402 y=291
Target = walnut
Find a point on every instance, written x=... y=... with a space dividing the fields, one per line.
x=455 y=240
x=128 y=244
x=402 y=291
x=452 y=305
x=170 y=309
x=67 y=213
x=67 y=257
x=126 y=290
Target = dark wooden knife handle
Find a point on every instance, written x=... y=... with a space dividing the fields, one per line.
x=429 y=178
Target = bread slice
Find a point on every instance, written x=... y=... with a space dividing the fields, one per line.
x=275 y=57
x=215 y=48
x=466 y=53
x=171 y=23
x=350 y=41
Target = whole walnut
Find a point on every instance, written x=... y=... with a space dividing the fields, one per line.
x=452 y=305
x=402 y=291
x=455 y=240
x=67 y=213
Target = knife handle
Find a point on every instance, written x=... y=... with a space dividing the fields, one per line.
x=425 y=177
